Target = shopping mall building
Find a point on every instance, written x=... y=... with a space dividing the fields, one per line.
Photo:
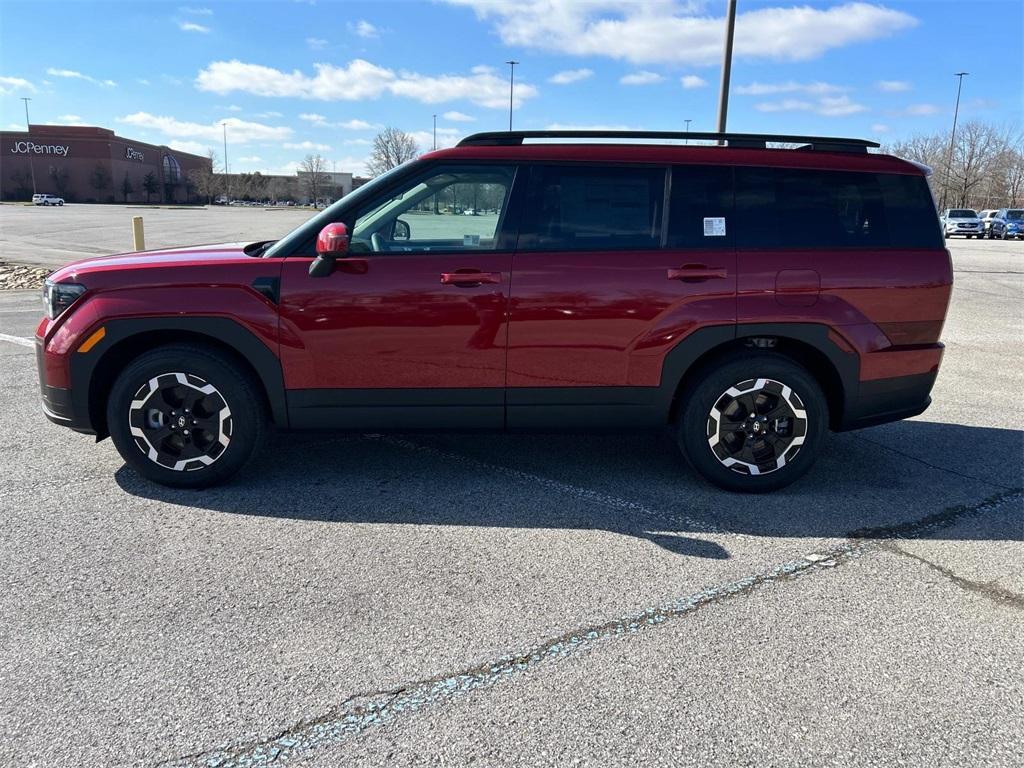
x=86 y=164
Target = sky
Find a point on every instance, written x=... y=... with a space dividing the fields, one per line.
x=295 y=77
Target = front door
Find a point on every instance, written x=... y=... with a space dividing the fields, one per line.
x=410 y=329
x=605 y=286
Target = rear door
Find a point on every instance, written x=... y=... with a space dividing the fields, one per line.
x=604 y=287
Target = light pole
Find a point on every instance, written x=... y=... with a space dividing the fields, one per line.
x=28 y=128
x=687 y=121
x=511 y=89
x=435 y=132
x=952 y=136
x=227 y=177
x=723 y=94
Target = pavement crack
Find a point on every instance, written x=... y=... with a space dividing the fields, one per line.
x=926 y=463
x=359 y=713
x=987 y=589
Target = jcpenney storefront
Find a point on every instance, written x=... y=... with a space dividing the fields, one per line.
x=85 y=164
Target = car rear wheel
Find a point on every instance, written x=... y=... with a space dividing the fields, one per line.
x=186 y=416
x=752 y=424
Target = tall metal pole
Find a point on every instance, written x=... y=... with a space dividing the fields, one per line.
x=688 y=121
x=227 y=176
x=723 y=94
x=511 y=89
x=28 y=128
x=952 y=136
x=435 y=132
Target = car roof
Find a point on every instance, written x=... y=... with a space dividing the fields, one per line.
x=681 y=153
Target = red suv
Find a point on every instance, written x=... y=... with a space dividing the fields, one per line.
x=747 y=297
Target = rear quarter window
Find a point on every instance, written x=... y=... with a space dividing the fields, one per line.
x=797 y=208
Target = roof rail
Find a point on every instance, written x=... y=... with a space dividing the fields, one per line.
x=735 y=140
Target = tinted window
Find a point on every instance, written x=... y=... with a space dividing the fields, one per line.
x=794 y=208
x=701 y=207
x=590 y=208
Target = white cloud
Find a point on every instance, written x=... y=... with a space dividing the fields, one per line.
x=239 y=131
x=196 y=11
x=360 y=80
x=307 y=145
x=690 y=82
x=9 y=85
x=191 y=26
x=357 y=142
x=641 y=78
x=665 y=31
x=72 y=74
x=234 y=108
x=316 y=43
x=349 y=125
x=922 y=109
x=141 y=81
x=770 y=89
x=312 y=117
x=269 y=115
x=578 y=127
x=69 y=120
x=570 y=76
x=829 y=106
x=879 y=128
x=355 y=125
x=192 y=147
x=458 y=117
x=893 y=86
x=250 y=159
x=363 y=28
x=14 y=127
x=446 y=137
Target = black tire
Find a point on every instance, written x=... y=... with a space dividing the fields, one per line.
x=710 y=388
x=219 y=443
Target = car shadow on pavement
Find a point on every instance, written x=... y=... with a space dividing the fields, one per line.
x=872 y=480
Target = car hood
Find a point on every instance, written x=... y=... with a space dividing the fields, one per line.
x=165 y=257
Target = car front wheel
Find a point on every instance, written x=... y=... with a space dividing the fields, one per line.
x=186 y=416
x=752 y=424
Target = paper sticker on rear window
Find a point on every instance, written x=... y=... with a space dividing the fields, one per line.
x=714 y=226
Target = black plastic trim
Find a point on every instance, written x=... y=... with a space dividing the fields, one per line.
x=218 y=329
x=884 y=400
x=399 y=409
x=745 y=140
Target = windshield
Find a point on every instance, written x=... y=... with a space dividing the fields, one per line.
x=962 y=213
x=328 y=215
x=1015 y=215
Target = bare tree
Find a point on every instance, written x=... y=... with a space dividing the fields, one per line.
x=99 y=180
x=391 y=148
x=314 y=176
x=126 y=187
x=61 y=179
x=205 y=180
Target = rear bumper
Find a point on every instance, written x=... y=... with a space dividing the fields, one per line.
x=884 y=400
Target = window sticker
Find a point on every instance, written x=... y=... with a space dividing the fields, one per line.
x=714 y=226
x=471 y=241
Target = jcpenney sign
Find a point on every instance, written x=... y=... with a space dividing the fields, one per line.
x=131 y=153
x=26 y=147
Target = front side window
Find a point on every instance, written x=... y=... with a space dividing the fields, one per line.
x=593 y=208
x=453 y=208
x=1015 y=215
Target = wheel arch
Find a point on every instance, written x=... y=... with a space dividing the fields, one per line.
x=126 y=339
x=809 y=344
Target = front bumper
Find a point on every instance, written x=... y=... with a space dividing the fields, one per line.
x=57 y=402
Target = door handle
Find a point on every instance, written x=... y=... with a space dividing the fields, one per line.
x=695 y=273
x=469 y=279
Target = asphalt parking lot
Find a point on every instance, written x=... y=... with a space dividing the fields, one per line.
x=526 y=600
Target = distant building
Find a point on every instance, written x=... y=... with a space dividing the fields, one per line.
x=88 y=164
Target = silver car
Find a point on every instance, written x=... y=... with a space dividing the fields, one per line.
x=961 y=221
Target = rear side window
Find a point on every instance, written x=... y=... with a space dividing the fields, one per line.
x=701 y=207
x=593 y=208
x=796 y=208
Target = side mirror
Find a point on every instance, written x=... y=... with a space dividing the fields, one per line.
x=401 y=230
x=331 y=244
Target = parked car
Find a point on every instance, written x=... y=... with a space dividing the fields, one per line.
x=47 y=200
x=986 y=217
x=1008 y=224
x=640 y=286
x=961 y=221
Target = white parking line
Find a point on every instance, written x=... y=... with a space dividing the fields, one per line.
x=17 y=340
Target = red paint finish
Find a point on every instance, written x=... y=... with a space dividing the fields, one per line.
x=393 y=321
x=207 y=281
x=591 y=319
x=862 y=292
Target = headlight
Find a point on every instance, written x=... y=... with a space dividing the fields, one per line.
x=59 y=296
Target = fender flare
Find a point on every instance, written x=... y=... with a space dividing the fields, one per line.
x=221 y=331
